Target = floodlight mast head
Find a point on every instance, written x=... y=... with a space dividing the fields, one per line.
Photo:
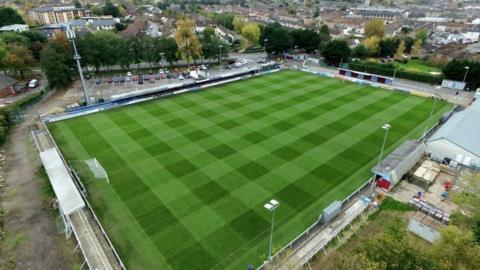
x=271 y=205
x=386 y=126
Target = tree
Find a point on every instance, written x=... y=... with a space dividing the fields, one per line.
x=417 y=48
x=37 y=41
x=388 y=46
x=393 y=250
x=456 y=70
x=251 y=32
x=169 y=48
x=400 y=51
x=336 y=51
x=372 y=45
x=316 y=13
x=12 y=38
x=324 y=34
x=421 y=34
x=238 y=24
x=120 y=27
x=55 y=64
x=306 y=39
x=211 y=44
x=110 y=9
x=360 y=51
x=279 y=38
x=77 y=4
x=187 y=40
x=3 y=52
x=96 y=10
x=457 y=249
x=9 y=16
x=375 y=27
x=18 y=59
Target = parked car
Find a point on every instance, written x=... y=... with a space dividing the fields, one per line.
x=33 y=83
x=134 y=78
x=157 y=77
x=146 y=77
x=128 y=79
x=122 y=79
x=181 y=78
x=140 y=80
x=129 y=74
x=163 y=76
x=109 y=80
x=169 y=76
x=98 y=81
x=115 y=79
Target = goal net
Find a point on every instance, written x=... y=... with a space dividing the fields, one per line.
x=90 y=169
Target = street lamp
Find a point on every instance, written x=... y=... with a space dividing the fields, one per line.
x=162 y=54
x=265 y=45
x=271 y=206
x=76 y=56
x=385 y=127
x=220 y=57
x=394 y=74
x=466 y=73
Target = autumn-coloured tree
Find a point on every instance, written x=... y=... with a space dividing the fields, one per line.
x=187 y=39
x=18 y=59
x=239 y=23
x=401 y=49
x=375 y=27
x=251 y=32
x=417 y=48
x=372 y=45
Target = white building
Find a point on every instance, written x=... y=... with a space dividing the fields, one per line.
x=14 y=28
x=458 y=139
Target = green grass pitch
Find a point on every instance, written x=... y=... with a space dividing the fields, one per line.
x=189 y=174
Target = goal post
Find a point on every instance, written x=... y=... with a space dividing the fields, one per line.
x=91 y=169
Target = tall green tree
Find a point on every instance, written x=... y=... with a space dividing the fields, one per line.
x=336 y=51
x=456 y=70
x=57 y=66
x=279 y=38
x=169 y=48
x=307 y=39
x=111 y=9
x=324 y=34
x=10 y=16
x=18 y=59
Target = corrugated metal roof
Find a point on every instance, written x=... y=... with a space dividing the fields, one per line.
x=68 y=196
x=462 y=129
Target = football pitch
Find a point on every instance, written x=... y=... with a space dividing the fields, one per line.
x=189 y=174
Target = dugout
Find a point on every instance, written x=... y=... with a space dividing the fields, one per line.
x=391 y=169
x=68 y=196
x=365 y=76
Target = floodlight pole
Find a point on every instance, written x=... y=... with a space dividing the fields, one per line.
x=220 y=58
x=271 y=206
x=430 y=116
x=386 y=127
x=271 y=236
x=466 y=73
x=76 y=56
x=266 y=52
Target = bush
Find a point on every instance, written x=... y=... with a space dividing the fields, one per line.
x=10 y=113
x=389 y=70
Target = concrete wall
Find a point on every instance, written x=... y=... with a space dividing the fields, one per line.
x=442 y=148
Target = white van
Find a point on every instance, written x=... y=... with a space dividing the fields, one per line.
x=33 y=83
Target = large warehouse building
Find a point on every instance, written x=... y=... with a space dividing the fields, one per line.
x=458 y=139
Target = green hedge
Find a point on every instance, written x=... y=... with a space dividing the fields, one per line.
x=389 y=70
x=10 y=113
